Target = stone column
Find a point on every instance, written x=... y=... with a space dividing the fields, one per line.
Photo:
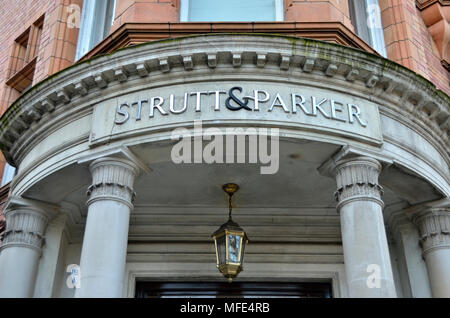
x=434 y=229
x=412 y=268
x=366 y=254
x=110 y=202
x=21 y=250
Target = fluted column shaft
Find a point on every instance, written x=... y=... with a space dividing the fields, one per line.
x=366 y=255
x=20 y=251
x=110 y=202
x=434 y=229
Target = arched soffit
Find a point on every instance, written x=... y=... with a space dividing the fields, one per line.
x=279 y=65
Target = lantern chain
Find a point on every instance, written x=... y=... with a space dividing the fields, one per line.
x=230 y=207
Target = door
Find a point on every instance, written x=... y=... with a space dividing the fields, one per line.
x=240 y=290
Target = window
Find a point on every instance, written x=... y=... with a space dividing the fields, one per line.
x=231 y=10
x=235 y=289
x=8 y=173
x=96 y=20
x=366 y=18
x=23 y=57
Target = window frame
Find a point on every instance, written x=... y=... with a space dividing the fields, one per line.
x=22 y=61
x=9 y=173
x=359 y=15
x=90 y=24
x=279 y=11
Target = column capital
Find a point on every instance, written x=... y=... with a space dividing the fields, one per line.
x=112 y=179
x=26 y=221
x=434 y=227
x=357 y=179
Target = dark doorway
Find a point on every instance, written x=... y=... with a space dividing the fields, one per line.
x=239 y=289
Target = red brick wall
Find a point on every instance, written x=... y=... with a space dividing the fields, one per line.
x=58 y=42
x=57 y=45
x=408 y=41
x=145 y=11
x=294 y=10
x=318 y=11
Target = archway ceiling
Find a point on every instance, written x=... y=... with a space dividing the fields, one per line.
x=296 y=184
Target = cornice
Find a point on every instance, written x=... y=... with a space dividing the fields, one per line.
x=436 y=15
x=132 y=33
x=91 y=79
x=415 y=211
x=14 y=203
x=423 y=4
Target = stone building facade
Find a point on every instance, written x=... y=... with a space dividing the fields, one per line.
x=96 y=95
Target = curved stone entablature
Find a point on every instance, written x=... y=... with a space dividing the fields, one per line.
x=169 y=69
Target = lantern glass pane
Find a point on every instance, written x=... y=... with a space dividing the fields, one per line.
x=234 y=245
x=221 y=249
x=243 y=250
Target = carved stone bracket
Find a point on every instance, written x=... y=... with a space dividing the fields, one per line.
x=423 y=4
x=436 y=16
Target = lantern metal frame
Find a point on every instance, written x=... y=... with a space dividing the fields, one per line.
x=229 y=268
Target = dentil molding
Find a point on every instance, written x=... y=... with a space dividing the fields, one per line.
x=408 y=95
